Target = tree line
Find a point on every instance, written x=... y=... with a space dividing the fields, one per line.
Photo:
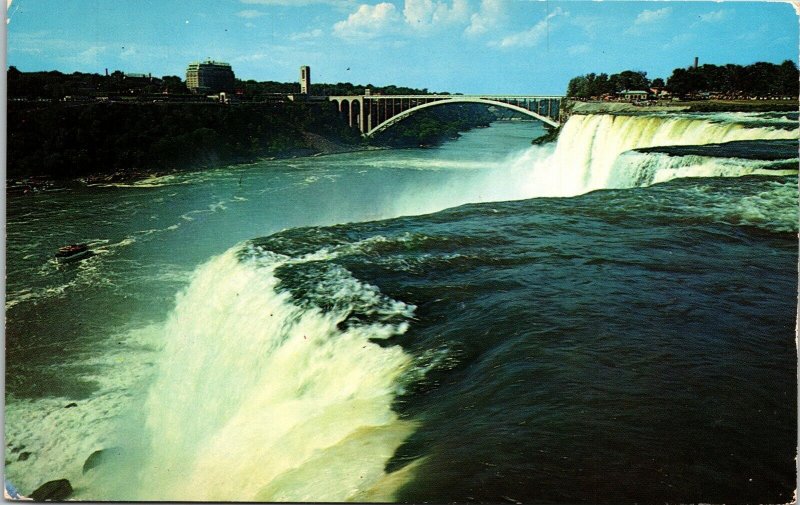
x=54 y=85
x=596 y=85
x=759 y=80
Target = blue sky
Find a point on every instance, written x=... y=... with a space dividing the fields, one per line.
x=467 y=46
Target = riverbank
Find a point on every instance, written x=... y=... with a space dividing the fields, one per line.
x=61 y=141
x=100 y=143
x=580 y=107
x=571 y=107
x=318 y=145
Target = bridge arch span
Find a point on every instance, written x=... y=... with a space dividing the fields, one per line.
x=458 y=99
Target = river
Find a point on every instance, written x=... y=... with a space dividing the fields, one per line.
x=606 y=319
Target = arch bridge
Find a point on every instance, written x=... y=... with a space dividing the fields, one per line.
x=375 y=113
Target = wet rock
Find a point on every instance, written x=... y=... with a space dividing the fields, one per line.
x=93 y=460
x=55 y=490
x=100 y=456
x=71 y=405
x=23 y=456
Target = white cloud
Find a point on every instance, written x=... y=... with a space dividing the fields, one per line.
x=249 y=14
x=425 y=14
x=579 y=49
x=647 y=17
x=592 y=25
x=490 y=15
x=73 y=52
x=714 y=16
x=250 y=58
x=312 y=34
x=297 y=3
x=679 y=40
x=531 y=36
x=760 y=33
x=88 y=56
x=368 y=21
x=420 y=16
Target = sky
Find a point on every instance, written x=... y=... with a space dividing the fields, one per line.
x=460 y=46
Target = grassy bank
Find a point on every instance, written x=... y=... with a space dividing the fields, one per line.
x=743 y=106
x=600 y=107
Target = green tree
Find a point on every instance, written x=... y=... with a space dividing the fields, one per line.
x=685 y=82
x=632 y=80
x=788 y=79
x=578 y=87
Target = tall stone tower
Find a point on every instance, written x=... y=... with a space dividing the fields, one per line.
x=305 y=79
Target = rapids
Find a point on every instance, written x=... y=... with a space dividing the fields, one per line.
x=348 y=352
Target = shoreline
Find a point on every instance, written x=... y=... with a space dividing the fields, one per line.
x=573 y=106
x=31 y=185
x=19 y=186
x=319 y=145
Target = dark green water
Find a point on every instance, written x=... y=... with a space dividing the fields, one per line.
x=626 y=345
x=605 y=348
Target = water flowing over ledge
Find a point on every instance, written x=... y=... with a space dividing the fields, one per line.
x=586 y=155
x=266 y=387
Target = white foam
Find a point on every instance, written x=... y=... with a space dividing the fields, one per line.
x=775 y=208
x=634 y=168
x=61 y=439
x=588 y=147
x=255 y=394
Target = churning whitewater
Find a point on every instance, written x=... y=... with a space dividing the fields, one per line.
x=587 y=155
x=441 y=357
x=275 y=377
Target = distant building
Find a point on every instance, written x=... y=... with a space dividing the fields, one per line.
x=210 y=77
x=305 y=79
x=632 y=95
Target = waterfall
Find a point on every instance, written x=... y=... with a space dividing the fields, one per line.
x=586 y=155
x=259 y=396
x=265 y=389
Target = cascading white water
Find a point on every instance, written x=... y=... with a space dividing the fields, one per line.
x=634 y=168
x=256 y=396
x=589 y=145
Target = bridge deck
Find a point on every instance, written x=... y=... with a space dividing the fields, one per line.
x=488 y=95
x=374 y=113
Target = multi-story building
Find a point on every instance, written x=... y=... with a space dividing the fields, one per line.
x=209 y=77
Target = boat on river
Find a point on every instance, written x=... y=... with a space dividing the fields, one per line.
x=73 y=252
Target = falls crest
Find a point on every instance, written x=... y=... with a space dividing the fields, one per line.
x=589 y=147
x=256 y=392
x=259 y=396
